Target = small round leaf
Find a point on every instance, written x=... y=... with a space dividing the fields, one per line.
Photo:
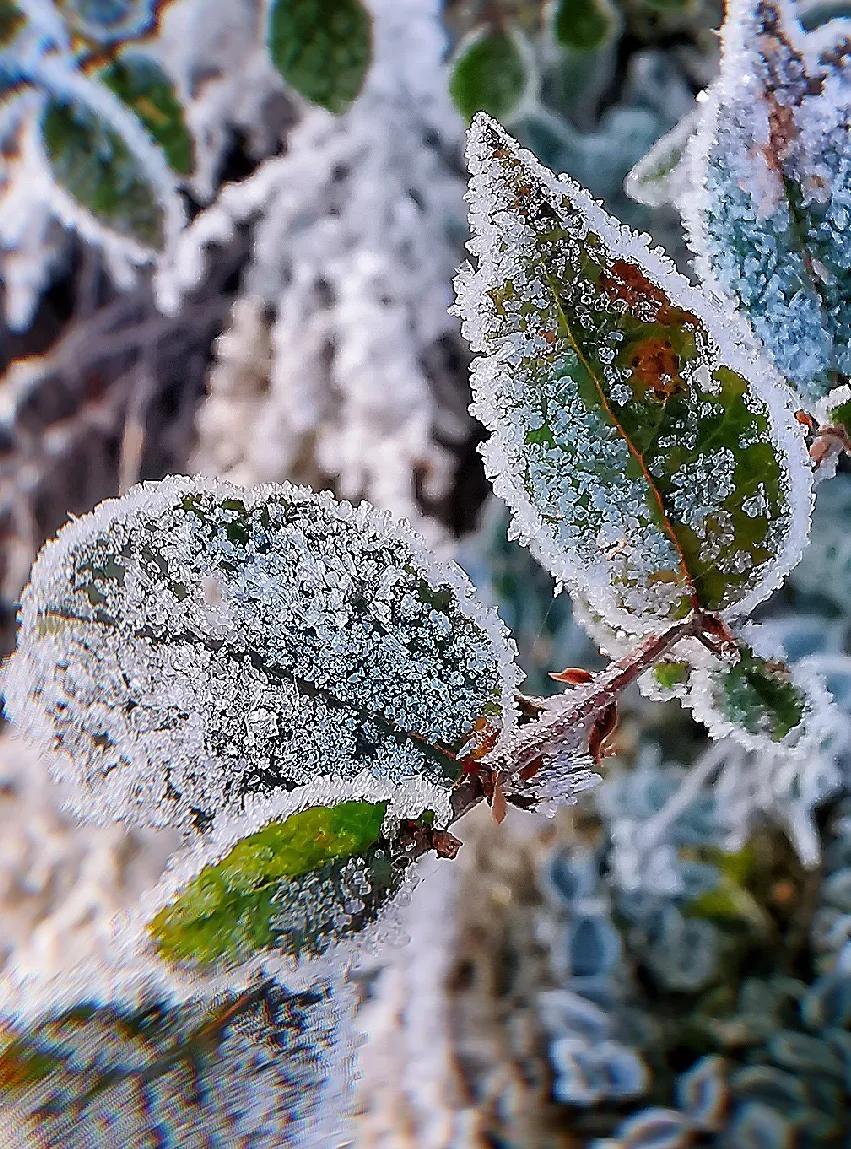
x=322 y=48
x=489 y=74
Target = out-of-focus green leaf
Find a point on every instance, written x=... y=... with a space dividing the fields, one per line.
x=93 y=163
x=488 y=74
x=650 y=466
x=11 y=21
x=584 y=24
x=759 y=695
x=322 y=48
x=295 y=886
x=143 y=86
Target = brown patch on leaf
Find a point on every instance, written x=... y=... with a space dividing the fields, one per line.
x=656 y=367
x=626 y=281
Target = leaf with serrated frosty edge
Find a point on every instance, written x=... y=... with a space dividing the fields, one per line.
x=194 y=642
x=772 y=169
x=649 y=462
x=247 y=1068
x=292 y=881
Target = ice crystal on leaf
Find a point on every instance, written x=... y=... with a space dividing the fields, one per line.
x=195 y=642
x=772 y=170
x=650 y=462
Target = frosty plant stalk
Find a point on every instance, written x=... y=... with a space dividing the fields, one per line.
x=315 y=699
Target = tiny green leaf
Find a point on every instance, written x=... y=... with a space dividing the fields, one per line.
x=759 y=695
x=651 y=464
x=93 y=163
x=670 y=675
x=141 y=84
x=194 y=643
x=662 y=175
x=322 y=48
x=108 y=21
x=489 y=74
x=584 y=24
x=295 y=886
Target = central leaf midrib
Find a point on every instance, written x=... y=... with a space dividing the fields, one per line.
x=667 y=525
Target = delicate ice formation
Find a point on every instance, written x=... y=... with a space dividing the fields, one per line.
x=651 y=464
x=772 y=201
x=195 y=642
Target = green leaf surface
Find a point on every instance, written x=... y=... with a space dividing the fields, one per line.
x=773 y=168
x=488 y=73
x=244 y=1068
x=650 y=465
x=93 y=163
x=583 y=24
x=322 y=48
x=296 y=886
x=194 y=643
x=12 y=21
x=146 y=89
x=759 y=695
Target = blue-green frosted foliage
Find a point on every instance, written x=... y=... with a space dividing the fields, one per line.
x=681 y=1012
x=771 y=224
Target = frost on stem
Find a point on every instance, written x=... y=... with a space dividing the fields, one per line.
x=772 y=173
x=650 y=463
x=195 y=642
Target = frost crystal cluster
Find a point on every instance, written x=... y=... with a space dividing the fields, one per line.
x=195 y=643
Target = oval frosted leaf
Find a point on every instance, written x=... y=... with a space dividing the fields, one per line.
x=584 y=24
x=302 y=881
x=248 y=1068
x=144 y=87
x=663 y=175
x=773 y=171
x=322 y=50
x=195 y=642
x=654 y=1129
x=650 y=464
x=489 y=73
x=91 y=161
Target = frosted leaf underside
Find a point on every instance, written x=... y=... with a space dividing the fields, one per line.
x=194 y=642
x=773 y=168
x=651 y=467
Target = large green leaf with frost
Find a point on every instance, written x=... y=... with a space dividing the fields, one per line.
x=243 y=1068
x=322 y=48
x=489 y=73
x=94 y=164
x=141 y=84
x=295 y=886
x=648 y=461
x=773 y=167
x=194 y=642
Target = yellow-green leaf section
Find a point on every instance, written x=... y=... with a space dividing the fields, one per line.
x=237 y=906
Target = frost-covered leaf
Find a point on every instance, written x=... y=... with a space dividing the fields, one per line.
x=489 y=73
x=760 y=701
x=195 y=642
x=290 y=881
x=141 y=84
x=772 y=160
x=321 y=48
x=662 y=175
x=243 y=1069
x=12 y=21
x=650 y=463
x=583 y=24
x=106 y=21
x=702 y=1092
x=654 y=1129
x=94 y=164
